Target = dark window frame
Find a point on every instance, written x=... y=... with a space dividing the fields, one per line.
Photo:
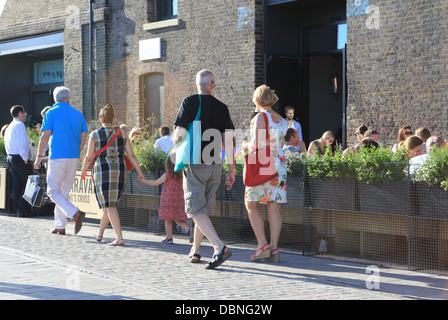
x=164 y=9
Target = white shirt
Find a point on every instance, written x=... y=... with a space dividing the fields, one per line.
x=165 y=144
x=16 y=139
x=287 y=147
x=416 y=162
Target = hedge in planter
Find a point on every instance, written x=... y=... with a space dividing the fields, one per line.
x=431 y=185
x=295 y=188
x=383 y=184
x=152 y=163
x=330 y=181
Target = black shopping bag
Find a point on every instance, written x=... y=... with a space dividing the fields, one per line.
x=34 y=192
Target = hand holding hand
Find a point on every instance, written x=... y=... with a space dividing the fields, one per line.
x=141 y=178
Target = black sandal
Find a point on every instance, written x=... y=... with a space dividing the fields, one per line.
x=195 y=258
x=218 y=259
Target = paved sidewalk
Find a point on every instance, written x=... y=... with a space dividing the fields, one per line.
x=35 y=264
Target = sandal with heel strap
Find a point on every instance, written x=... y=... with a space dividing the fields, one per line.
x=275 y=256
x=97 y=236
x=261 y=253
x=195 y=258
x=116 y=243
x=219 y=258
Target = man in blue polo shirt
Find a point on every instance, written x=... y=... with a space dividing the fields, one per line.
x=65 y=129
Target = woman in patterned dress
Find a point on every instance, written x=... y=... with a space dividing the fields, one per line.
x=273 y=192
x=109 y=171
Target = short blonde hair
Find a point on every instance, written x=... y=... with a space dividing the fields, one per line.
x=327 y=135
x=264 y=96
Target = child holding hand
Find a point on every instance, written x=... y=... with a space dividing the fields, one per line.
x=172 y=205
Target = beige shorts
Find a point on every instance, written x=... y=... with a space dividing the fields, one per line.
x=200 y=184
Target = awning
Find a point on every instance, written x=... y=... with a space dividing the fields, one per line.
x=32 y=44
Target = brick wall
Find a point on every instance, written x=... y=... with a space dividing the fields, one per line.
x=397 y=73
x=214 y=34
x=24 y=19
x=223 y=36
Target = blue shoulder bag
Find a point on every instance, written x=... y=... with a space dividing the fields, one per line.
x=189 y=149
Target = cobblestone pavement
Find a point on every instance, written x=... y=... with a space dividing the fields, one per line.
x=35 y=264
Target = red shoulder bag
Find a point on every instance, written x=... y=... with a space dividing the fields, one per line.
x=259 y=167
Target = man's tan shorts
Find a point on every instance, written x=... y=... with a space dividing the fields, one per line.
x=200 y=184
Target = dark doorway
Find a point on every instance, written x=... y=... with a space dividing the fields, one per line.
x=304 y=42
x=28 y=79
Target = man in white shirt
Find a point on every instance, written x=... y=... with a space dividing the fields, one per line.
x=165 y=143
x=18 y=150
x=431 y=143
x=289 y=112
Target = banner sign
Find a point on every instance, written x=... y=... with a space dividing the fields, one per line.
x=82 y=195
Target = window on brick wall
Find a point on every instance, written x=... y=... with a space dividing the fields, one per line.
x=154 y=105
x=166 y=9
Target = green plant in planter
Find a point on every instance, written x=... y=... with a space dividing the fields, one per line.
x=33 y=135
x=239 y=168
x=239 y=164
x=380 y=165
x=150 y=160
x=331 y=166
x=434 y=171
x=295 y=164
x=2 y=153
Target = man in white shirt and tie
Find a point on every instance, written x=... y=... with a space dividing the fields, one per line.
x=18 y=149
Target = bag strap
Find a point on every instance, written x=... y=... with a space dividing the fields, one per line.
x=107 y=145
x=103 y=149
x=198 y=115
x=266 y=124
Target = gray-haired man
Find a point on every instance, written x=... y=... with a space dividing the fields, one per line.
x=202 y=180
x=65 y=129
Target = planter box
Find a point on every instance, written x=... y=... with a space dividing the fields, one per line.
x=295 y=192
x=331 y=194
x=391 y=198
x=236 y=193
x=135 y=187
x=431 y=201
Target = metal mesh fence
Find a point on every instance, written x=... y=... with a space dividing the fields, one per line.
x=390 y=221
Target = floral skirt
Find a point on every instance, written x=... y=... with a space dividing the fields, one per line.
x=273 y=190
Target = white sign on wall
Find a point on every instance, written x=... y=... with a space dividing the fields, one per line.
x=150 y=49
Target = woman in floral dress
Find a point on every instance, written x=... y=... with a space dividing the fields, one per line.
x=273 y=192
